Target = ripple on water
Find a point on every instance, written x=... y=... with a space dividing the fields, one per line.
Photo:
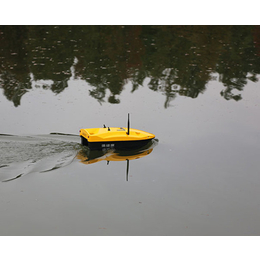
x=33 y=154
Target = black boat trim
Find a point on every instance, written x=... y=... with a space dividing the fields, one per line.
x=115 y=144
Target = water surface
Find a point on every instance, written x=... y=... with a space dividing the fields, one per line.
x=195 y=87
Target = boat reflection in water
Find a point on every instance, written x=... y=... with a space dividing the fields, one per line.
x=88 y=156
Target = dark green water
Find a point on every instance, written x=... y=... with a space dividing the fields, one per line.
x=195 y=87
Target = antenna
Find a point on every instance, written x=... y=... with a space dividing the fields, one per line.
x=128 y=125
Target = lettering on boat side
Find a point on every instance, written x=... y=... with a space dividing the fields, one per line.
x=107 y=145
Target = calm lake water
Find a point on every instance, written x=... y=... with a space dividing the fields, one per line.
x=195 y=87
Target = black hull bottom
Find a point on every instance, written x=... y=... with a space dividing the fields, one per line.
x=119 y=145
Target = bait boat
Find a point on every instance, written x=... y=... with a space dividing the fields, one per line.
x=115 y=137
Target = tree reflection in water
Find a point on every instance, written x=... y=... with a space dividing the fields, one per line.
x=177 y=60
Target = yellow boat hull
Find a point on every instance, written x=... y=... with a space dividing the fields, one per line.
x=114 y=137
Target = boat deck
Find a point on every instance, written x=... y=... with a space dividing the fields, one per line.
x=114 y=134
